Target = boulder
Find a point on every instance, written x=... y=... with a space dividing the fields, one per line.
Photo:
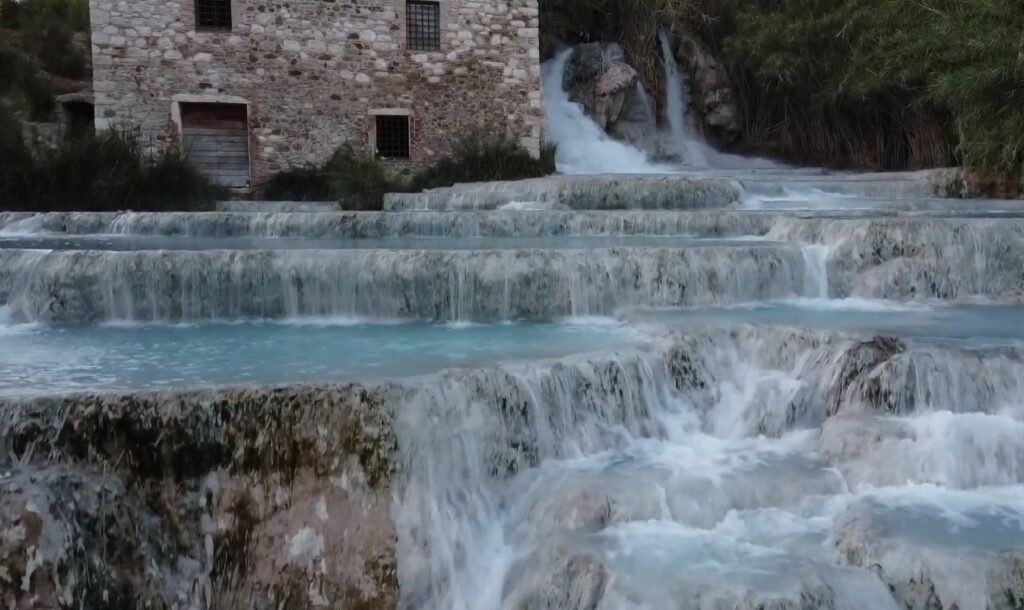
x=711 y=92
x=600 y=78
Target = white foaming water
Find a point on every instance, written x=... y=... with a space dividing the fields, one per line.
x=600 y=483
x=583 y=147
x=816 y=268
x=694 y=150
x=31 y=225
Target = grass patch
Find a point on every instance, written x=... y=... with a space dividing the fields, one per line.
x=105 y=171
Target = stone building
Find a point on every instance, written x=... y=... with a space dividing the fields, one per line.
x=251 y=87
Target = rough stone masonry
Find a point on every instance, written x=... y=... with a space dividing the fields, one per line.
x=314 y=74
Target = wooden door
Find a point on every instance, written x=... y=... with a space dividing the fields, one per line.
x=216 y=139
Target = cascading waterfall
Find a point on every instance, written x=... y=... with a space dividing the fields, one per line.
x=583 y=147
x=692 y=148
x=790 y=408
x=691 y=477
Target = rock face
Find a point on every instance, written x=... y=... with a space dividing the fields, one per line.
x=610 y=90
x=231 y=499
x=711 y=92
x=378 y=496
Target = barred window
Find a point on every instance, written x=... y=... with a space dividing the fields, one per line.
x=423 y=24
x=392 y=137
x=213 y=15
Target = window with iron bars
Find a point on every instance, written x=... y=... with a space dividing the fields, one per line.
x=392 y=137
x=213 y=15
x=423 y=25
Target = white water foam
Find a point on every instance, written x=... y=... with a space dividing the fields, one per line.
x=692 y=148
x=33 y=225
x=583 y=147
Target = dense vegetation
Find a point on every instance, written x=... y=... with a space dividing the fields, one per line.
x=44 y=51
x=95 y=172
x=869 y=83
x=360 y=182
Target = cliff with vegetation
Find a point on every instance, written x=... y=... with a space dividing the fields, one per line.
x=874 y=84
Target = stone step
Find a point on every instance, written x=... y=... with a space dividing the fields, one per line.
x=606 y=192
x=467 y=285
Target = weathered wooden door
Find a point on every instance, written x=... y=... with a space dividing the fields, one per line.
x=216 y=139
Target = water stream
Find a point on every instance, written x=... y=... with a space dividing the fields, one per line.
x=795 y=390
x=583 y=147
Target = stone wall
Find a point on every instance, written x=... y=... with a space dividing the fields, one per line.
x=313 y=73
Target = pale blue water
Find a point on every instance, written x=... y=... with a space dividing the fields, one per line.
x=981 y=324
x=52 y=360
x=159 y=242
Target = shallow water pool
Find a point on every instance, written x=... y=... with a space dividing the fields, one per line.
x=37 y=359
x=974 y=323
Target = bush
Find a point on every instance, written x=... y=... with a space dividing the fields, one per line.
x=17 y=170
x=38 y=15
x=46 y=33
x=300 y=184
x=483 y=159
x=356 y=180
x=97 y=172
x=55 y=47
x=10 y=14
x=360 y=182
x=918 y=74
x=20 y=79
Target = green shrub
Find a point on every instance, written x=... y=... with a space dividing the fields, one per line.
x=55 y=48
x=95 y=172
x=47 y=31
x=10 y=14
x=38 y=15
x=919 y=73
x=20 y=79
x=300 y=184
x=358 y=180
x=482 y=159
x=18 y=167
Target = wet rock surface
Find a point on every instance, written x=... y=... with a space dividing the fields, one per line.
x=772 y=434
x=249 y=497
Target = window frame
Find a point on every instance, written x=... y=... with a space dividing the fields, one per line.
x=379 y=121
x=423 y=29
x=218 y=13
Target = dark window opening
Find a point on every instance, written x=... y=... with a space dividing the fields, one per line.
x=79 y=117
x=423 y=22
x=392 y=137
x=213 y=15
